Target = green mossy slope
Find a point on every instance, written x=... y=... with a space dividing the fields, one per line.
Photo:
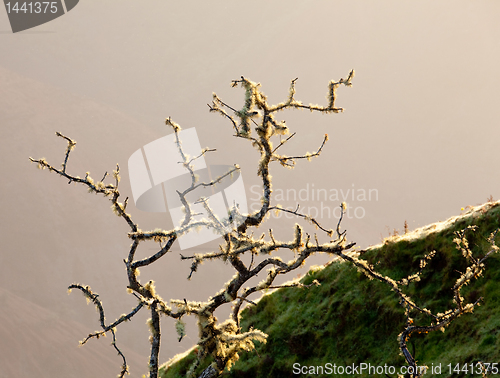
x=349 y=319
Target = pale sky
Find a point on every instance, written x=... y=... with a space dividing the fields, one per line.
x=420 y=127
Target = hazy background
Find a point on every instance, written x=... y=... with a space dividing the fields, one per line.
x=420 y=127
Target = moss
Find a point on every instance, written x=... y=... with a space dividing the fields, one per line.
x=181 y=367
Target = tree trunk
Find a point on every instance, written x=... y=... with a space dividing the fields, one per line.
x=209 y=372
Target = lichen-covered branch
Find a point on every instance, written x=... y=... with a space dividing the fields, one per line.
x=94 y=298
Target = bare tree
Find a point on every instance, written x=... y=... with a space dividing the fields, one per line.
x=223 y=341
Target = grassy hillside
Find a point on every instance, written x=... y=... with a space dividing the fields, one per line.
x=349 y=319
